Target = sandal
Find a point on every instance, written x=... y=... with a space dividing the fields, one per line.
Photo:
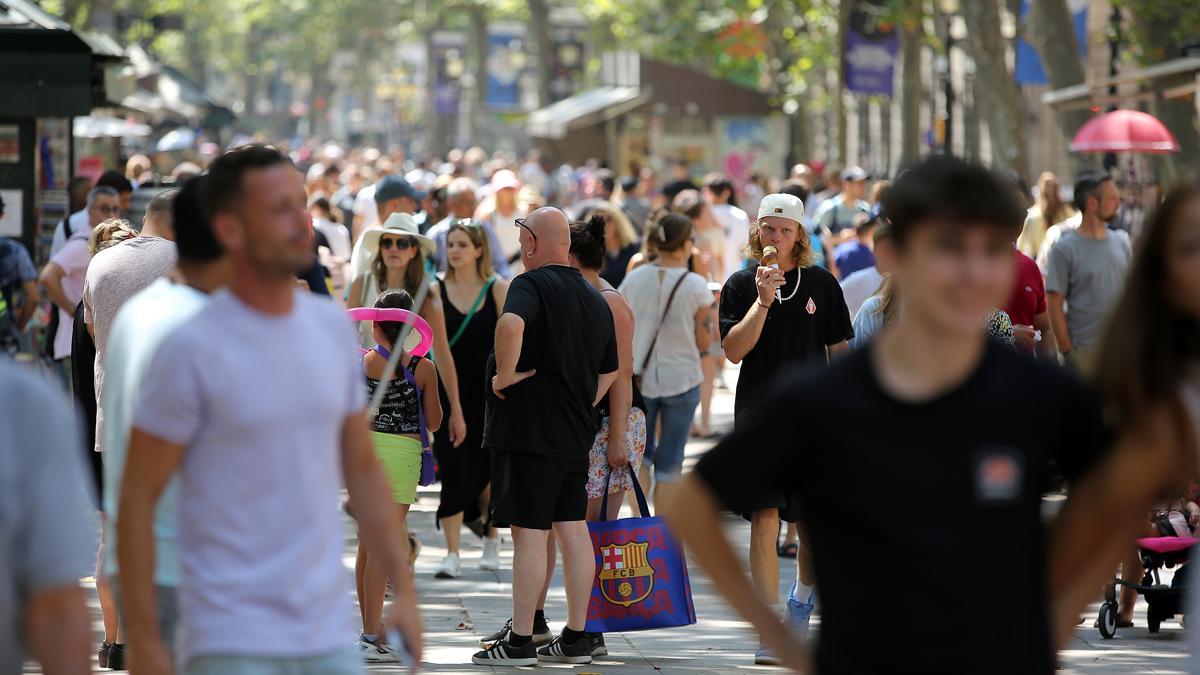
x=788 y=550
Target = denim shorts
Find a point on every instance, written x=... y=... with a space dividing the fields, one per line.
x=674 y=415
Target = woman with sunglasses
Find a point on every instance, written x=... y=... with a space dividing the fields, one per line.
x=472 y=297
x=399 y=251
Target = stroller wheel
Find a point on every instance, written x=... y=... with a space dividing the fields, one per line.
x=1108 y=620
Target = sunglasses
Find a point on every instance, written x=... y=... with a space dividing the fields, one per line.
x=521 y=223
x=401 y=243
x=110 y=210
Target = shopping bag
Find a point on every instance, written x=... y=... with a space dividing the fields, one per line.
x=641 y=574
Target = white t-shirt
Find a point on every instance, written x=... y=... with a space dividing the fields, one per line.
x=674 y=366
x=336 y=234
x=507 y=232
x=78 y=221
x=140 y=327
x=736 y=224
x=364 y=206
x=859 y=286
x=73 y=259
x=260 y=402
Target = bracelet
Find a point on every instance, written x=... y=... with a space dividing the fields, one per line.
x=760 y=304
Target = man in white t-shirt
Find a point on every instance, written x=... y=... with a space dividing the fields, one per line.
x=63 y=277
x=259 y=405
x=501 y=210
x=719 y=193
x=140 y=326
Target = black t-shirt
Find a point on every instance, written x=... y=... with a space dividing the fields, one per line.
x=796 y=330
x=935 y=505
x=569 y=340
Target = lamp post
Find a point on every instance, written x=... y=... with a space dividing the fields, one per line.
x=948 y=9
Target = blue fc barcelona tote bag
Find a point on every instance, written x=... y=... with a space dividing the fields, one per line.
x=641 y=575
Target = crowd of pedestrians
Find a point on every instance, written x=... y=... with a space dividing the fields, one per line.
x=580 y=323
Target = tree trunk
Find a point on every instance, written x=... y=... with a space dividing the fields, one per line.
x=1051 y=30
x=999 y=96
x=839 y=99
x=478 y=51
x=539 y=23
x=910 y=85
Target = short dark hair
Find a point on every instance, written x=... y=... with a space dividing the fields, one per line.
x=607 y=179
x=161 y=204
x=1087 y=186
x=719 y=183
x=587 y=241
x=194 y=237
x=795 y=188
x=224 y=184
x=950 y=189
x=115 y=180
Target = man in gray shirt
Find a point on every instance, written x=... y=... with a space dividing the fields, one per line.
x=46 y=537
x=1086 y=272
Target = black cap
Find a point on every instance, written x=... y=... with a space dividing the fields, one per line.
x=394 y=187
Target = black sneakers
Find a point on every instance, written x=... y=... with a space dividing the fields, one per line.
x=561 y=651
x=501 y=653
x=597 y=642
x=111 y=656
x=541 y=634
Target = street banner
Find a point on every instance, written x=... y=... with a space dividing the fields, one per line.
x=641 y=575
x=506 y=61
x=871 y=48
x=448 y=66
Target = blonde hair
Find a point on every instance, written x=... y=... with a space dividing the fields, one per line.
x=802 y=253
x=110 y=233
x=626 y=235
x=479 y=239
x=888 y=301
x=1054 y=209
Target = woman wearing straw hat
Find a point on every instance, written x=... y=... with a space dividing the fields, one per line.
x=398 y=252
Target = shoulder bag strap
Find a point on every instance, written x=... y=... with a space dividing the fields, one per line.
x=662 y=320
x=420 y=401
x=474 y=308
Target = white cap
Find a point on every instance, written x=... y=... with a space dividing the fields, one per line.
x=782 y=205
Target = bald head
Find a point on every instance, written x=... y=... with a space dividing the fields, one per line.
x=550 y=243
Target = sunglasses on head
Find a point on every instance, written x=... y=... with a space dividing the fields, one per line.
x=521 y=223
x=401 y=243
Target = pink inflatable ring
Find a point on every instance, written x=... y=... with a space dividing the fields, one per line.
x=401 y=315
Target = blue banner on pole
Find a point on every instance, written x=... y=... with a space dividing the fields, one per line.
x=1029 y=68
x=505 y=62
x=871 y=47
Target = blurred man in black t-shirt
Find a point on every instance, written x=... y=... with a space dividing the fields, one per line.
x=555 y=358
x=912 y=479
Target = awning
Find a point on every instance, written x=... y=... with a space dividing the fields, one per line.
x=1096 y=92
x=108 y=127
x=589 y=107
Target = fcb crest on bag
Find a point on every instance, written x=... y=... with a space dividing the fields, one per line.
x=627 y=577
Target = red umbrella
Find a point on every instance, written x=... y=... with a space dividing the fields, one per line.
x=1124 y=131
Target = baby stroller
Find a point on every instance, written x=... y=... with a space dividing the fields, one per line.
x=1162 y=601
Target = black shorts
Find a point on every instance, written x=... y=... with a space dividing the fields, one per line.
x=535 y=491
x=788 y=504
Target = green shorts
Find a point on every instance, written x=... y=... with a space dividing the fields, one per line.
x=401 y=459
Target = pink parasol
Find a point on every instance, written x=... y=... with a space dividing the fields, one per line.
x=1124 y=131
